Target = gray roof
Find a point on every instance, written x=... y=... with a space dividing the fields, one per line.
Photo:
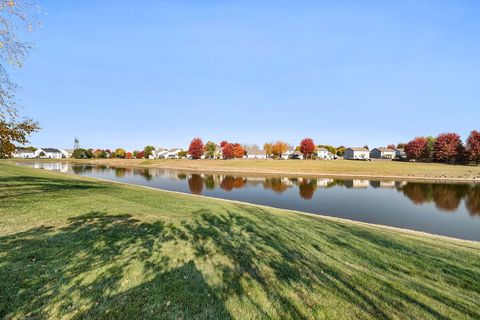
x=51 y=150
x=385 y=149
x=358 y=149
x=322 y=149
x=23 y=150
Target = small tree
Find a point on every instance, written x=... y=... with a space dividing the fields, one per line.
x=416 y=148
x=227 y=150
x=120 y=153
x=446 y=147
x=78 y=153
x=473 y=147
x=210 y=148
x=279 y=148
x=268 y=147
x=196 y=148
x=307 y=148
x=238 y=151
x=148 y=151
x=341 y=151
x=140 y=155
x=129 y=155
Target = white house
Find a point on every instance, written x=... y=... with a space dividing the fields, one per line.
x=287 y=154
x=357 y=154
x=382 y=153
x=23 y=153
x=50 y=153
x=323 y=153
x=160 y=153
x=173 y=153
x=256 y=154
x=67 y=153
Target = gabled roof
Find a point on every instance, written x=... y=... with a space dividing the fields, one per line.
x=51 y=150
x=23 y=150
x=358 y=149
x=174 y=150
x=322 y=149
x=385 y=149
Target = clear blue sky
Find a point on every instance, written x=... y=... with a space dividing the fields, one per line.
x=131 y=73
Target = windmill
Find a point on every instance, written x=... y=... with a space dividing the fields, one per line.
x=76 y=143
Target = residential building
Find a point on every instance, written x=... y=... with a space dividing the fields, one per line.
x=173 y=153
x=255 y=154
x=50 y=153
x=323 y=153
x=382 y=153
x=357 y=154
x=400 y=154
x=23 y=153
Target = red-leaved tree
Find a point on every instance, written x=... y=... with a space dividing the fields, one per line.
x=416 y=148
x=446 y=147
x=238 y=151
x=140 y=155
x=196 y=148
x=307 y=147
x=227 y=150
x=473 y=147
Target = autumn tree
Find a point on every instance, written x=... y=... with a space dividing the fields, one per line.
x=473 y=147
x=210 y=148
x=307 y=148
x=268 y=147
x=227 y=150
x=148 y=151
x=341 y=151
x=140 y=155
x=129 y=155
x=401 y=145
x=196 y=148
x=278 y=149
x=14 y=16
x=120 y=153
x=415 y=149
x=446 y=147
x=391 y=146
x=238 y=151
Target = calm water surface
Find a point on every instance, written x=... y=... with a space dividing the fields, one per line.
x=440 y=208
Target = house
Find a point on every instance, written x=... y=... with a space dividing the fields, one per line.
x=255 y=154
x=400 y=153
x=296 y=155
x=173 y=153
x=23 y=153
x=323 y=153
x=160 y=153
x=356 y=154
x=50 y=153
x=67 y=153
x=382 y=153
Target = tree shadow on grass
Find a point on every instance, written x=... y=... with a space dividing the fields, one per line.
x=27 y=185
x=103 y=266
x=79 y=271
x=265 y=251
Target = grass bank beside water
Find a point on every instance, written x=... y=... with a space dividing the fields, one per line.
x=73 y=247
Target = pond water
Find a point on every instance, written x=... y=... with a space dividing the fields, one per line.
x=440 y=208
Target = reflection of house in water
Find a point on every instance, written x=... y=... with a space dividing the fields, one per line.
x=383 y=184
x=62 y=167
x=324 y=183
x=357 y=183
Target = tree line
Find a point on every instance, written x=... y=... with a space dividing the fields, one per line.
x=446 y=147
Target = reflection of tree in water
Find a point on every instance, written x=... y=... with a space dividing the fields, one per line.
x=209 y=182
x=418 y=193
x=473 y=200
x=120 y=172
x=275 y=184
x=146 y=173
x=229 y=183
x=195 y=183
x=307 y=188
x=181 y=176
x=447 y=197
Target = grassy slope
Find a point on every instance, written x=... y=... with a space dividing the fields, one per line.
x=378 y=169
x=77 y=248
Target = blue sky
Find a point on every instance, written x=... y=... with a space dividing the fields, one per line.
x=131 y=73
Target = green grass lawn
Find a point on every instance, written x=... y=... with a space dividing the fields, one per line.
x=72 y=247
